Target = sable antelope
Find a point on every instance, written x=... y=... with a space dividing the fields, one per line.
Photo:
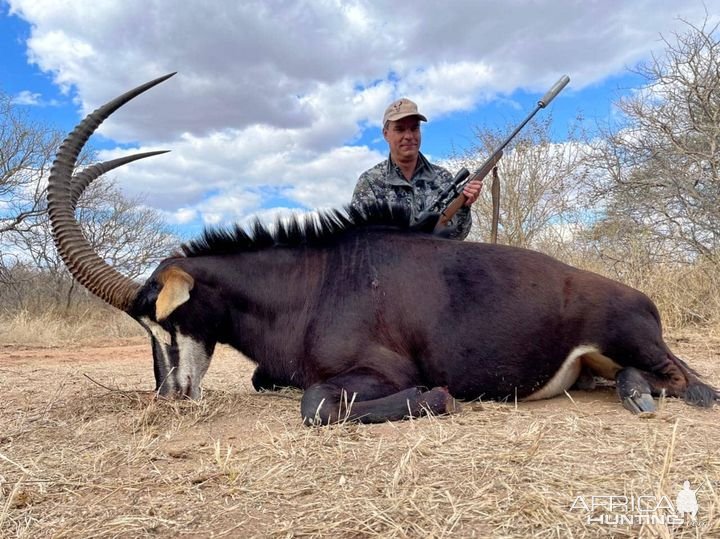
x=374 y=318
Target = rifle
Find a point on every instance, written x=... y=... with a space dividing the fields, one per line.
x=454 y=191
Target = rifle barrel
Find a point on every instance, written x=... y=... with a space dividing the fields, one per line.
x=552 y=92
x=549 y=96
x=462 y=177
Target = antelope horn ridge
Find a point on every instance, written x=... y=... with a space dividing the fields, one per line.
x=81 y=180
x=63 y=192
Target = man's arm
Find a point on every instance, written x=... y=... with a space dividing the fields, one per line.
x=363 y=194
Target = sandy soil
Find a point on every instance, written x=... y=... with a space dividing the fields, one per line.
x=86 y=452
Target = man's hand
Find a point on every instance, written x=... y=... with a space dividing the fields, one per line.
x=472 y=191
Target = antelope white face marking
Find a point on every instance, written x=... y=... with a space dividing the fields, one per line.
x=157 y=331
x=161 y=341
x=567 y=374
x=167 y=384
x=193 y=363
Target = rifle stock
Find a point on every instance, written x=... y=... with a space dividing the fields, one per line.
x=451 y=210
x=460 y=200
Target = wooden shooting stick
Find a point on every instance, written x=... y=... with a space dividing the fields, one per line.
x=495 y=192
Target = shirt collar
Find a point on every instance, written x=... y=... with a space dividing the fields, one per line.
x=422 y=163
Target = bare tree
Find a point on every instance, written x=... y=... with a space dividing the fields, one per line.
x=130 y=236
x=26 y=152
x=662 y=163
x=540 y=185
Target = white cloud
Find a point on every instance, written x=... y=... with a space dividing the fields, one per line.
x=201 y=176
x=181 y=216
x=273 y=98
x=32 y=99
x=27 y=98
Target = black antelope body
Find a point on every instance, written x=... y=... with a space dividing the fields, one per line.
x=374 y=319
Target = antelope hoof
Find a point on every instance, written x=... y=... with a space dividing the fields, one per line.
x=641 y=404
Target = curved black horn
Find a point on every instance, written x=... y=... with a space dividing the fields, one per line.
x=82 y=261
x=82 y=179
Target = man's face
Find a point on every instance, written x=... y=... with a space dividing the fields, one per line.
x=403 y=137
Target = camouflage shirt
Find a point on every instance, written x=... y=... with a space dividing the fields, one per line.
x=385 y=183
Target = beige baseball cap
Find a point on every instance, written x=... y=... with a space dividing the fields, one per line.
x=402 y=108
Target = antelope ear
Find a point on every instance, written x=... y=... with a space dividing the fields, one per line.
x=176 y=286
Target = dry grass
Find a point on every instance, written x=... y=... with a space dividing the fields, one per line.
x=77 y=460
x=685 y=295
x=47 y=328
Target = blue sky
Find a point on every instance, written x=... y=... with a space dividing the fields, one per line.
x=277 y=105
